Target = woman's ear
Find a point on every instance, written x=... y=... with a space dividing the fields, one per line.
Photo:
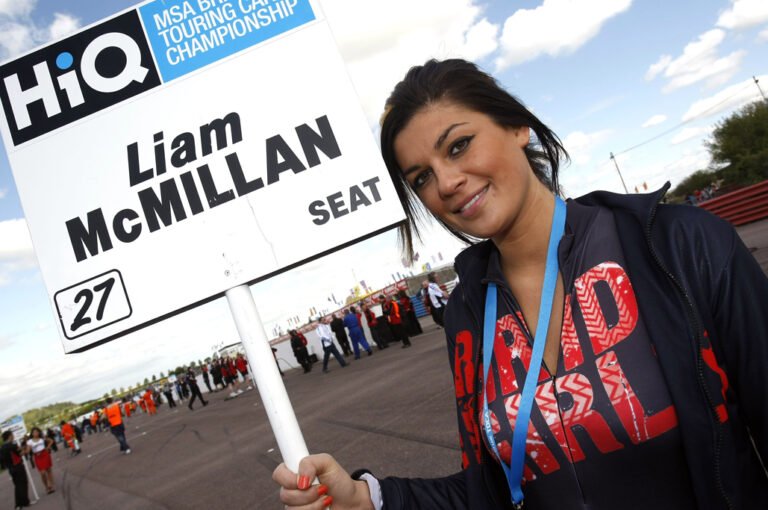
x=522 y=136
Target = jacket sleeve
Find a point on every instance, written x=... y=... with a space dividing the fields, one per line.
x=447 y=493
x=739 y=304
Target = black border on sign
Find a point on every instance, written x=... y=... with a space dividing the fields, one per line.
x=221 y=294
x=125 y=292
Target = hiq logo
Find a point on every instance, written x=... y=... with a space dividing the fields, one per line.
x=76 y=77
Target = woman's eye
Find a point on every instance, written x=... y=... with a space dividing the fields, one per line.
x=460 y=145
x=421 y=179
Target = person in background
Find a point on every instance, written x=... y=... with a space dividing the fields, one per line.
x=94 y=420
x=70 y=438
x=194 y=389
x=437 y=299
x=392 y=312
x=114 y=415
x=299 y=347
x=218 y=379
x=242 y=366
x=12 y=459
x=352 y=322
x=373 y=325
x=50 y=434
x=179 y=391
x=168 y=392
x=128 y=408
x=206 y=377
x=40 y=447
x=337 y=325
x=326 y=339
x=150 y=402
x=410 y=321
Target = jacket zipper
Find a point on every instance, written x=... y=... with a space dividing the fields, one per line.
x=693 y=321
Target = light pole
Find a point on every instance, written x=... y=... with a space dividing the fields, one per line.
x=619 y=172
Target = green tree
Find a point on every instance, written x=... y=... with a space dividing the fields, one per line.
x=162 y=375
x=192 y=364
x=739 y=145
x=113 y=392
x=154 y=378
x=122 y=390
x=146 y=381
x=700 y=179
x=105 y=396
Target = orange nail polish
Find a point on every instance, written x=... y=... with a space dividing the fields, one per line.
x=304 y=482
x=322 y=490
x=327 y=501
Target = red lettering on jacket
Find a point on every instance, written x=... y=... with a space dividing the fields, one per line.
x=581 y=414
x=572 y=354
x=639 y=425
x=601 y=334
x=463 y=365
x=535 y=447
x=708 y=355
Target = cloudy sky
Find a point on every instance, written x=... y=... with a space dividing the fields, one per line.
x=644 y=80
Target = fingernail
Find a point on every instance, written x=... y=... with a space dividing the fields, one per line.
x=304 y=482
x=327 y=501
x=322 y=490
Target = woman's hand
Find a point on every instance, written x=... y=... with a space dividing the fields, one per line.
x=336 y=487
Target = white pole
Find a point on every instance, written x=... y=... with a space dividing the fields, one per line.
x=29 y=477
x=267 y=377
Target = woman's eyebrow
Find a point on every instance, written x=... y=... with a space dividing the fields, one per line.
x=445 y=134
x=438 y=143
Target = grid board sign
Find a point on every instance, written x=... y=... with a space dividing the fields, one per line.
x=181 y=148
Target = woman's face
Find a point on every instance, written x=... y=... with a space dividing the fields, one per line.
x=35 y=434
x=466 y=169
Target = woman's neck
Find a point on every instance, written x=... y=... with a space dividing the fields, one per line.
x=524 y=246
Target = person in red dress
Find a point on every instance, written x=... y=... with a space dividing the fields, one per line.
x=40 y=446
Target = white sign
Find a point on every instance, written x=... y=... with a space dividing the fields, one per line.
x=182 y=148
x=16 y=425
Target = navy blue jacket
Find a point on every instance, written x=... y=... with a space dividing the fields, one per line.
x=683 y=262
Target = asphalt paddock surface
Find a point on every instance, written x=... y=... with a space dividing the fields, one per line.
x=392 y=413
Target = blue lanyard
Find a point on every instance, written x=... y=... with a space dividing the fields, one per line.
x=514 y=472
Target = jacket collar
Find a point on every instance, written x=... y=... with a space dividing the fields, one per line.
x=480 y=263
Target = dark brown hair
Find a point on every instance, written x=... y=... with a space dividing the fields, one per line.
x=463 y=83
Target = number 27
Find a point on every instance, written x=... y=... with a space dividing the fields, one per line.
x=86 y=295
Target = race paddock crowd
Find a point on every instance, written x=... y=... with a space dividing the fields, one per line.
x=370 y=325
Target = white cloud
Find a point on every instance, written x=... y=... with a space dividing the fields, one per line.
x=763 y=36
x=16 y=8
x=730 y=97
x=655 y=120
x=744 y=14
x=699 y=61
x=16 y=252
x=379 y=43
x=18 y=33
x=580 y=145
x=556 y=27
x=690 y=133
x=15 y=38
x=3 y=192
x=658 y=67
x=63 y=24
x=481 y=40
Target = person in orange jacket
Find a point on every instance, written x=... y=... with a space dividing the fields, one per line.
x=392 y=311
x=150 y=402
x=127 y=409
x=68 y=433
x=115 y=418
x=95 y=420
